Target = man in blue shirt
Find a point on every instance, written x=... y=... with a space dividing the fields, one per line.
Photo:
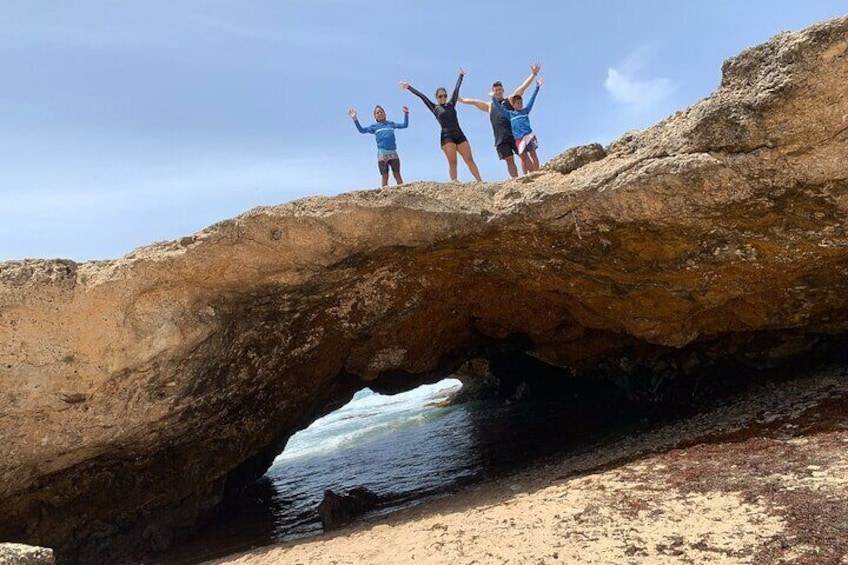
x=384 y=130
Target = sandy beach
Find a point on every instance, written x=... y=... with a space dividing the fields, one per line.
x=761 y=479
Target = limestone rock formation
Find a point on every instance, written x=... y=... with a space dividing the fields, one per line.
x=18 y=554
x=576 y=157
x=135 y=393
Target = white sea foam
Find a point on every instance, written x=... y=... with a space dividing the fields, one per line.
x=366 y=417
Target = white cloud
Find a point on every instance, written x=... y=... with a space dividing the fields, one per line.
x=92 y=37
x=296 y=36
x=640 y=96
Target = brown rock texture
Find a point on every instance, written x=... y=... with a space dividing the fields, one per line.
x=135 y=393
x=576 y=157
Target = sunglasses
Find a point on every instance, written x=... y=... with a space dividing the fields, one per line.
x=441 y=96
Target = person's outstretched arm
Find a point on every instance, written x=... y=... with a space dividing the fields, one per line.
x=501 y=108
x=352 y=114
x=480 y=104
x=534 y=70
x=406 y=86
x=455 y=96
x=533 y=96
x=405 y=119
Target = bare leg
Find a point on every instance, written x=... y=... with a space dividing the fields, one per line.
x=396 y=171
x=526 y=163
x=450 y=153
x=534 y=159
x=464 y=149
x=510 y=166
x=385 y=179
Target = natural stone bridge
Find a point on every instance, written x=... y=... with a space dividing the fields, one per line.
x=135 y=393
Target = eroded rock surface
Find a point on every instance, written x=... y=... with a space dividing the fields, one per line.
x=337 y=510
x=135 y=393
x=576 y=157
x=18 y=554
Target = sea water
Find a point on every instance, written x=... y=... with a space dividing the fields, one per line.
x=406 y=448
x=401 y=447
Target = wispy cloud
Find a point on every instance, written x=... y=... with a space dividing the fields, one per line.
x=637 y=94
x=69 y=35
x=244 y=31
x=308 y=35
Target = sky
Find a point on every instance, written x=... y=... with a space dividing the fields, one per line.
x=123 y=123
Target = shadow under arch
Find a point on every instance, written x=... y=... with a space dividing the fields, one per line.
x=483 y=439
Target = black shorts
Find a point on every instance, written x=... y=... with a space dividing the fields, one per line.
x=453 y=137
x=506 y=149
x=385 y=164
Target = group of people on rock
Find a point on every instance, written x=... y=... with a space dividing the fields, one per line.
x=510 y=125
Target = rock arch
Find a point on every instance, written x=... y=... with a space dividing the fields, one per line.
x=135 y=393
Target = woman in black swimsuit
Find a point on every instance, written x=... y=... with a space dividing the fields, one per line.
x=453 y=140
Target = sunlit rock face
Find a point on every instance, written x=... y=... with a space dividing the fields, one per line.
x=135 y=393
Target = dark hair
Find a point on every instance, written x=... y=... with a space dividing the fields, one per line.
x=497 y=83
x=440 y=89
x=378 y=107
x=516 y=97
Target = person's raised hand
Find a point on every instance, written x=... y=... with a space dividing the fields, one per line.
x=491 y=94
x=461 y=71
x=404 y=85
x=540 y=82
x=405 y=110
x=352 y=114
x=536 y=68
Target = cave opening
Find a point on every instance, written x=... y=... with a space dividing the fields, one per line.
x=493 y=418
x=415 y=446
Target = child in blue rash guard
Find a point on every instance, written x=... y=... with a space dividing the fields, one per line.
x=384 y=130
x=519 y=119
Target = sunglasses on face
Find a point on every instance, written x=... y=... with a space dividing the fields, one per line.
x=442 y=96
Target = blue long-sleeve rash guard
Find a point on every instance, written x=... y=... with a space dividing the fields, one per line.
x=518 y=119
x=385 y=133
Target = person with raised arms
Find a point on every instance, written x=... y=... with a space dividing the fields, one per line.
x=504 y=141
x=452 y=139
x=384 y=131
x=519 y=118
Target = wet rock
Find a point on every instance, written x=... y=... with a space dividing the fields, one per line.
x=338 y=510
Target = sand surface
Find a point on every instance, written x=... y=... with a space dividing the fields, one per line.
x=760 y=480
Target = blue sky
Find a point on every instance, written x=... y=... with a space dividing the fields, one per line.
x=125 y=123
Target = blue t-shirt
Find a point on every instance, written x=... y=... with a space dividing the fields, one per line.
x=385 y=133
x=518 y=119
